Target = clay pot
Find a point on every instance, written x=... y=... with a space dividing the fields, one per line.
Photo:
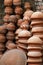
x=19 y=22
x=8 y=10
x=10 y=45
x=37 y=15
x=11 y=27
x=17 y=2
x=13 y=54
x=8 y=2
x=2 y=38
x=27 y=5
x=12 y=19
x=34 y=60
x=23 y=37
x=10 y=35
x=17 y=17
x=24 y=34
x=34 y=54
x=35 y=41
x=28 y=13
x=18 y=10
x=6 y=18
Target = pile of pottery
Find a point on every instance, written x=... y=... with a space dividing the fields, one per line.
x=37 y=25
x=34 y=51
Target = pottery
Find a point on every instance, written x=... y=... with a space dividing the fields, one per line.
x=13 y=54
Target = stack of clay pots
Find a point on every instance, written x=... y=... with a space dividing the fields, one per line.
x=8 y=10
x=22 y=40
x=34 y=51
x=2 y=39
x=37 y=25
x=10 y=36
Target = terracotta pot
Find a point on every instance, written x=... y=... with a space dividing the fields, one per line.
x=8 y=10
x=8 y=2
x=6 y=18
x=10 y=35
x=24 y=34
x=17 y=2
x=34 y=60
x=2 y=38
x=12 y=19
x=28 y=13
x=13 y=54
x=17 y=17
x=34 y=41
x=10 y=45
x=11 y=27
x=27 y=5
x=34 y=54
x=18 y=10
x=37 y=15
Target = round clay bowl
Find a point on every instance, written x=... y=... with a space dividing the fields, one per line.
x=6 y=18
x=12 y=19
x=18 y=10
x=8 y=2
x=10 y=45
x=27 y=5
x=2 y=38
x=11 y=56
x=28 y=13
x=8 y=10
x=10 y=35
x=34 y=60
x=37 y=15
x=11 y=27
x=24 y=34
x=18 y=31
x=34 y=40
x=34 y=54
x=16 y=2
